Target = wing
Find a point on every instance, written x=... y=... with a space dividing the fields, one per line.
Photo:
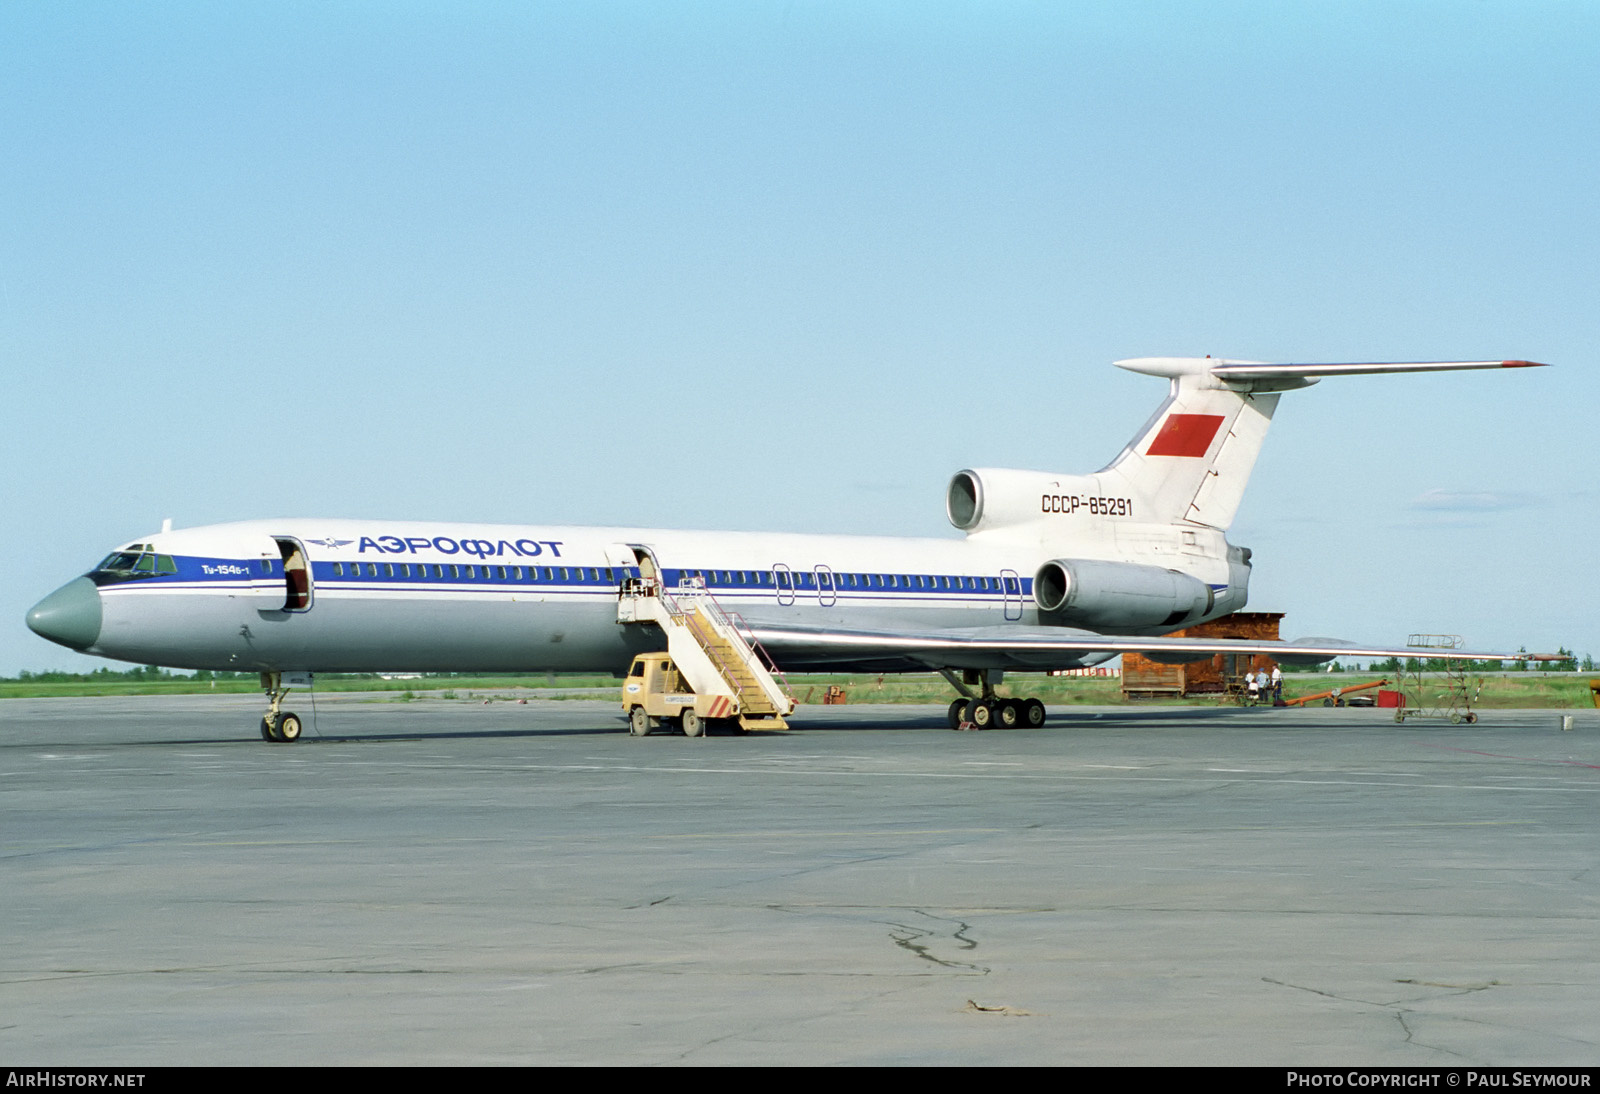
x=1038 y=649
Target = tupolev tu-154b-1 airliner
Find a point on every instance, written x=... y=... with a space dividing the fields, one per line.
x=1055 y=571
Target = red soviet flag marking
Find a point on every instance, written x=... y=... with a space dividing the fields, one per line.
x=1185 y=435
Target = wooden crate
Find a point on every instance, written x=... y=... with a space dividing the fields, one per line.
x=1217 y=674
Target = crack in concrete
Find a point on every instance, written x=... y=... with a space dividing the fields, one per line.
x=1397 y=1009
x=908 y=937
x=1458 y=989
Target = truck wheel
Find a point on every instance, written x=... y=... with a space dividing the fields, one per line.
x=638 y=722
x=692 y=726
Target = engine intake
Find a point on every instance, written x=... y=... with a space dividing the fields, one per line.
x=963 y=502
x=987 y=498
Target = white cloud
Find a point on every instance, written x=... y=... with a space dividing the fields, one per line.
x=1467 y=501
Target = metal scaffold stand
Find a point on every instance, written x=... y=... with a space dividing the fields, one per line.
x=1442 y=693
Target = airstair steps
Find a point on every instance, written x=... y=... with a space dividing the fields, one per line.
x=711 y=648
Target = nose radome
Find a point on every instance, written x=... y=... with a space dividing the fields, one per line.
x=70 y=615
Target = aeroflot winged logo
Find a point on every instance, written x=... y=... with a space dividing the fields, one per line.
x=1185 y=435
x=445 y=545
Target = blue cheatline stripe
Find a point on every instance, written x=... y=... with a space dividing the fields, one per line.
x=194 y=573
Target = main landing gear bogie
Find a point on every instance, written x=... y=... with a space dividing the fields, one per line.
x=991 y=711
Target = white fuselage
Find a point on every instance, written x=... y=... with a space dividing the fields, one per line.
x=395 y=596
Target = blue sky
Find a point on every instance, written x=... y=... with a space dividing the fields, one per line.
x=421 y=261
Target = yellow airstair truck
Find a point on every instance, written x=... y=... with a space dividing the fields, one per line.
x=712 y=671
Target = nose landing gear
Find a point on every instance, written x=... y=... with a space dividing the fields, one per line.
x=280 y=726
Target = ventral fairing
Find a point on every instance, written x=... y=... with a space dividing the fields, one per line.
x=1054 y=571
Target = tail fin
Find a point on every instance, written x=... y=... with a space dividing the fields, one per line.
x=1192 y=460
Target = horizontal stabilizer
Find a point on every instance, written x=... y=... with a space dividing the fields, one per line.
x=1243 y=370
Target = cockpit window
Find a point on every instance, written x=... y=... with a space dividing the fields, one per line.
x=137 y=561
x=119 y=562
